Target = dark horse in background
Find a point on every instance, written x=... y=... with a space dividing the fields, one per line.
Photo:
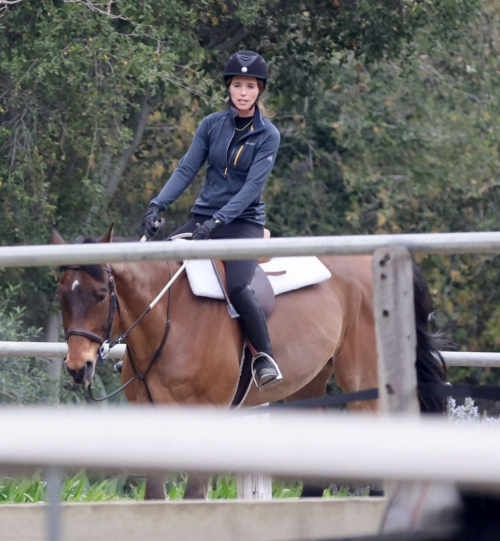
x=317 y=331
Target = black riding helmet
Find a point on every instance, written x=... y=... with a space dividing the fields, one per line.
x=246 y=63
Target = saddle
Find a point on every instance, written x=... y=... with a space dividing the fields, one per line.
x=260 y=282
x=284 y=274
x=261 y=285
x=273 y=276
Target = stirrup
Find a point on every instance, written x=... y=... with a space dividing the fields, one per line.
x=271 y=383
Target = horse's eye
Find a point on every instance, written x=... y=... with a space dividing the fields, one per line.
x=102 y=297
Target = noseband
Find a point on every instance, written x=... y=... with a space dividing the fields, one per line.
x=113 y=306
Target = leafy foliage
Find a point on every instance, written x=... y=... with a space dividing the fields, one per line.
x=407 y=146
x=22 y=380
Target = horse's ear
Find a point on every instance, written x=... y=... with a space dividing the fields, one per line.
x=55 y=236
x=108 y=237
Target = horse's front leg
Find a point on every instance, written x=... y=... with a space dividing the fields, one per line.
x=197 y=487
x=155 y=486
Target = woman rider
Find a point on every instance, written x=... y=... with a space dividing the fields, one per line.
x=241 y=146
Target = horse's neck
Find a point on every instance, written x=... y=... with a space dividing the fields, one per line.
x=137 y=285
x=193 y=367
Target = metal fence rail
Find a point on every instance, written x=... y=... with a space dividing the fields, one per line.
x=471 y=359
x=76 y=254
x=350 y=446
x=336 y=446
x=59 y=350
x=46 y=350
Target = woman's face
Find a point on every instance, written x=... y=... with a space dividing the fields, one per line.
x=244 y=92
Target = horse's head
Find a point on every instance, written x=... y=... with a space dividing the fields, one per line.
x=85 y=293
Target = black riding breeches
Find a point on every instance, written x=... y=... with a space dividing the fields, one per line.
x=238 y=273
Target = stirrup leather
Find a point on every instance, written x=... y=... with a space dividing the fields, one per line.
x=275 y=381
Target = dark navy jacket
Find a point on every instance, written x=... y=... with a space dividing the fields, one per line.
x=234 y=180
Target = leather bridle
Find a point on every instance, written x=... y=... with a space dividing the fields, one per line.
x=113 y=307
x=105 y=341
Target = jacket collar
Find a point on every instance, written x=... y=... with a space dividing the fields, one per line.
x=258 y=118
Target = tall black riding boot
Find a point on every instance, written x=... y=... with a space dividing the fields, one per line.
x=254 y=325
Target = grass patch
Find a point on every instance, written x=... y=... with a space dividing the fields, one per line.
x=78 y=488
x=84 y=487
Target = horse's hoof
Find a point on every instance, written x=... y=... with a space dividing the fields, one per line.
x=267 y=377
x=118 y=366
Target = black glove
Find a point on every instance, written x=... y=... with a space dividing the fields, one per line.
x=204 y=231
x=149 y=227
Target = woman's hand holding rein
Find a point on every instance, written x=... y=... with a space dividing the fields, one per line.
x=149 y=226
x=205 y=231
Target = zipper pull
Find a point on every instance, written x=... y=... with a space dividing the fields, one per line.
x=225 y=172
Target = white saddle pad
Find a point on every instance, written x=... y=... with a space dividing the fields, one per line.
x=300 y=272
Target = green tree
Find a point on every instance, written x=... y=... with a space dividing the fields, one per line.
x=408 y=146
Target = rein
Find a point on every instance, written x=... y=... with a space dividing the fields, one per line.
x=138 y=376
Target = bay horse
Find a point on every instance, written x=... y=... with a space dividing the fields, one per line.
x=317 y=331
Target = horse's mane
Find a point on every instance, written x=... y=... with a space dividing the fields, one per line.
x=96 y=271
x=94 y=240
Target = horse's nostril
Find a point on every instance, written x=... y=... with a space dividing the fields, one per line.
x=89 y=367
x=69 y=370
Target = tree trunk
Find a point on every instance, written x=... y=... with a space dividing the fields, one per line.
x=114 y=168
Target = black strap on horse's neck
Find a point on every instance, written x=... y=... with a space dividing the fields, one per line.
x=137 y=375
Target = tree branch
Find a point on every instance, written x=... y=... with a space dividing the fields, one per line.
x=218 y=40
x=103 y=9
x=5 y=4
x=112 y=179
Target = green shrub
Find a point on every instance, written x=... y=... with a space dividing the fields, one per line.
x=22 y=380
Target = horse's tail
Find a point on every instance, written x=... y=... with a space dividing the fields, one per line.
x=430 y=364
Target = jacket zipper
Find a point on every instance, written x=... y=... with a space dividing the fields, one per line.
x=238 y=155
x=227 y=151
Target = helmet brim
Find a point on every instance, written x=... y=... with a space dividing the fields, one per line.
x=228 y=76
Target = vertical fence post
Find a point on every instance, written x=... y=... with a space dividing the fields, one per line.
x=54 y=477
x=255 y=486
x=395 y=330
x=394 y=311
x=54 y=365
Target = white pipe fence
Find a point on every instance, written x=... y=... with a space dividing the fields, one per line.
x=471 y=359
x=78 y=254
x=335 y=446
x=59 y=350
x=46 y=350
